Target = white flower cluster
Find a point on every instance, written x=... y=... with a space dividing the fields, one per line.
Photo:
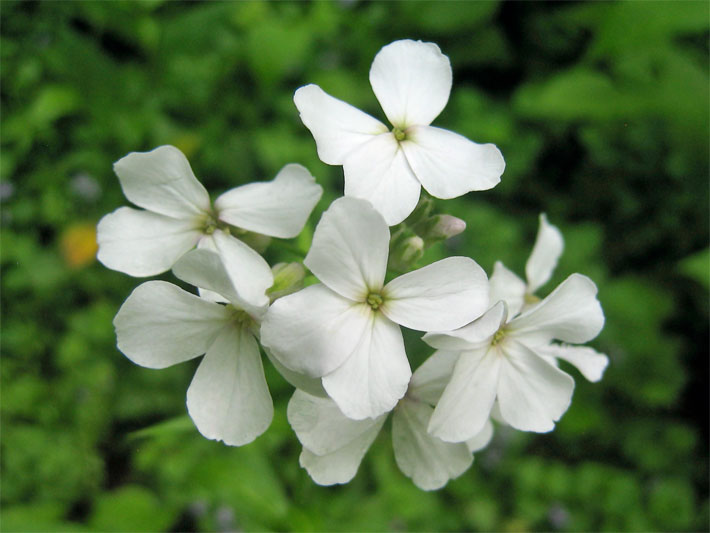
x=339 y=341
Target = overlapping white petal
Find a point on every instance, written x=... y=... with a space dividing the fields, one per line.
x=204 y=269
x=466 y=403
x=321 y=426
x=160 y=325
x=477 y=334
x=337 y=127
x=482 y=439
x=506 y=286
x=587 y=360
x=429 y=461
x=312 y=386
x=333 y=445
x=141 y=243
x=412 y=81
x=545 y=254
x=430 y=379
x=378 y=172
x=442 y=296
x=448 y=165
x=163 y=182
x=350 y=248
x=313 y=331
x=571 y=313
x=248 y=271
x=228 y=398
x=532 y=393
x=278 y=208
x=375 y=375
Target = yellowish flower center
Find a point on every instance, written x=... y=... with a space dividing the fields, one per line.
x=498 y=337
x=374 y=300
x=399 y=134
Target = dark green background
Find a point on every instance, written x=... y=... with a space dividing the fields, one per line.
x=601 y=111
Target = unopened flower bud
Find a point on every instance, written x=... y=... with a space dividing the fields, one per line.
x=444 y=227
x=407 y=253
x=288 y=278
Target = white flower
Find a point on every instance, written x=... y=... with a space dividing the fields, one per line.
x=505 y=361
x=160 y=325
x=178 y=215
x=520 y=295
x=412 y=81
x=334 y=445
x=346 y=329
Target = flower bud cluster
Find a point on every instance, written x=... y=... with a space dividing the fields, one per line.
x=339 y=340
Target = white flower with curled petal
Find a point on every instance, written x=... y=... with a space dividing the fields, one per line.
x=345 y=329
x=334 y=445
x=505 y=360
x=412 y=82
x=520 y=295
x=177 y=216
x=160 y=325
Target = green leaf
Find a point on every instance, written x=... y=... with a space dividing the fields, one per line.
x=697 y=267
x=130 y=508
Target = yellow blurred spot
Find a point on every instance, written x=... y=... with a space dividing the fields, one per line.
x=78 y=244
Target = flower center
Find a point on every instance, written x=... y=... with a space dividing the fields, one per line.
x=374 y=300
x=210 y=225
x=399 y=134
x=498 y=337
x=531 y=299
x=241 y=318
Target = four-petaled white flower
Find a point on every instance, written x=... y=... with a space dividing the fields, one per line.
x=334 y=445
x=504 y=360
x=412 y=81
x=160 y=325
x=346 y=329
x=519 y=295
x=178 y=216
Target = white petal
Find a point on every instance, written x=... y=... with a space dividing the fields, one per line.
x=204 y=268
x=429 y=461
x=321 y=427
x=532 y=393
x=466 y=403
x=508 y=287
x=162 y=181
x=430 y=379
x=412 y=81
x=302 y=382
x=372 y=380
x=278 y=208
x=442 y=296
x=448 y=165
x=378 y=172
x=249 y=273
x=571 y=313
x=341 y=465
x=314 y=330
x=477 y=334
x=337 y=127
x=160 y=325
x=481 y=440
x=228 y=398
x=545 y=254
x=140 y=243
x=350 y=248
x=588 y=361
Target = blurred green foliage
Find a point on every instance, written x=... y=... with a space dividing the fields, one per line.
x=601 y=111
